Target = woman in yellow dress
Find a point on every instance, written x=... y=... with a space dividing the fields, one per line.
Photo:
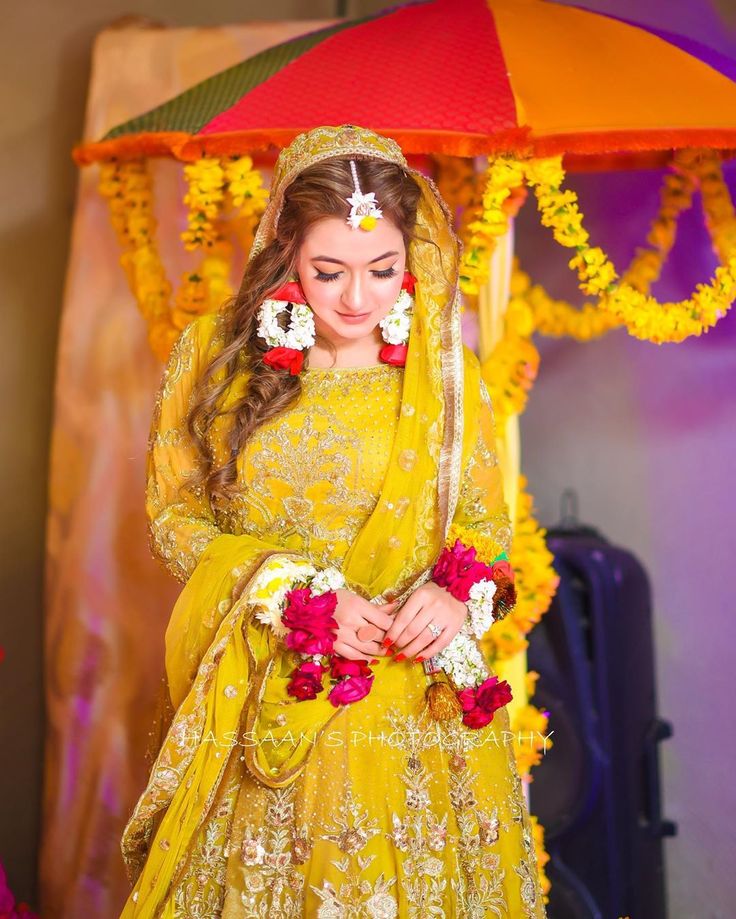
x=339 y=454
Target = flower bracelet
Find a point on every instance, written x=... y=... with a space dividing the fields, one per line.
x=297 y=601
x=489 y=593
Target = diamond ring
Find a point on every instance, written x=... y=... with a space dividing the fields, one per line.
x=435 y=630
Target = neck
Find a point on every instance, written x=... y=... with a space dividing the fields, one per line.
x=349 y=352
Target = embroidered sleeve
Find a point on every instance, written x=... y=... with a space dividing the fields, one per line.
x=482 y=514
x=181 y=523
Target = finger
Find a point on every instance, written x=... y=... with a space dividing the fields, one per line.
x=348 y=651
x=377 y=616
x=405 y=615
x=439 y=644
x=416 y=635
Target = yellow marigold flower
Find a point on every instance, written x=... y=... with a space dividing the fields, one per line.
x=546 y=171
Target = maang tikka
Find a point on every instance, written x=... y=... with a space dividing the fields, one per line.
x=288 y=345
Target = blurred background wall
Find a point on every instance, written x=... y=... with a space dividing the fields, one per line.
x=645 y=433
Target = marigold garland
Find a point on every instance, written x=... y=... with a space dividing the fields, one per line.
x=128 y=188
x=205 y=197
x=642 y=315
x=488 y=219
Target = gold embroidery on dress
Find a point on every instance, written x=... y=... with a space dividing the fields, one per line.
x=269 y=853
x=351 y=830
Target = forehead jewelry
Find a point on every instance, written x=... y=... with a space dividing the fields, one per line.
x=364 y=211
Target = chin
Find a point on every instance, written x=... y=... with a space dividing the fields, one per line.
x=353 y=329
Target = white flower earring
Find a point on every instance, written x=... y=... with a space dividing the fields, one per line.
x=396 y=324
x=287 y=345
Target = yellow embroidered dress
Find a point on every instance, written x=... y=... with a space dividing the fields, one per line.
x=262 y=806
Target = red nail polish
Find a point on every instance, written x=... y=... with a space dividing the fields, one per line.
x=374 y=661
x=419 y=659
x=387 y=642
x=400 y=657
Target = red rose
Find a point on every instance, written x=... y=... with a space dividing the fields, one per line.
x=394 y=354
x=480 y=703
x=408 y=283
x=290 y=359
x=477 y=718
x=291 y=292
x=306 y=681
x=342 y=666
x=466 y=698
x=491 y=694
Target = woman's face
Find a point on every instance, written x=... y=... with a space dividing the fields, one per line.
x=351 y=278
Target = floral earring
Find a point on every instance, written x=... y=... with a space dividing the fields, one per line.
x=287 y=345
x=396 y=324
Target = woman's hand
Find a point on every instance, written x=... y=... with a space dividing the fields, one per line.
x=429 y=603
x=354 y=614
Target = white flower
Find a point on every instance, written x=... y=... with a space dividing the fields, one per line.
x=300 y=333
x=362 y=206
x=327 y=580
x=462 y=660
x=480 y=606
x=397 y=322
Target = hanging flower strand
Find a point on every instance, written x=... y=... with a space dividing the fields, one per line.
x=642 y=315
x=489 y=220
x=206 y=179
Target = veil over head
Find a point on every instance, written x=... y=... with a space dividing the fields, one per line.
x=416 y=506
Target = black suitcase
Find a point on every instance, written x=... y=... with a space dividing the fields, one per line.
x=597 y=791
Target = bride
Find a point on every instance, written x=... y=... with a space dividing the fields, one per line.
x=322 y=480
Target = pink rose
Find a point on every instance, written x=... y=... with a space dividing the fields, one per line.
x=452 y=562
x=308 y=642
x=302 y=608
x=306 y=681
x=457 y=570
x=466 y=698
x=310 y=614
x=350 y=690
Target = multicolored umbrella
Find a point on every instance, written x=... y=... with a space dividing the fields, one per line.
x=460 y=77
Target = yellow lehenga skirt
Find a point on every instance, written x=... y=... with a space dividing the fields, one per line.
x=394 y=815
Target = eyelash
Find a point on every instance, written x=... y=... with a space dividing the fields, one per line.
x=386 y=273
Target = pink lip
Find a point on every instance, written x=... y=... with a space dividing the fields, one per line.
x=353 y=317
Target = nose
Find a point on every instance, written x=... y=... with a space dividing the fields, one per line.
x=353 y=296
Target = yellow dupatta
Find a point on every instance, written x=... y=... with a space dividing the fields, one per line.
x=219 y=662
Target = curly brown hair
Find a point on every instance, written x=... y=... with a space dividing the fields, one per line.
x=316 y=193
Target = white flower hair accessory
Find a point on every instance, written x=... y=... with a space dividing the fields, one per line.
x=364 y=210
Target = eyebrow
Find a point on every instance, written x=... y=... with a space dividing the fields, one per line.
x=326 y=258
